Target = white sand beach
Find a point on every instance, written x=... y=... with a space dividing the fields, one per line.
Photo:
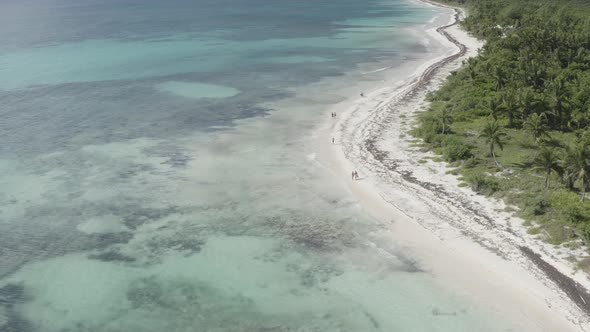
x=466 y=240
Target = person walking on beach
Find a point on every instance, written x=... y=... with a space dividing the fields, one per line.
x=353 y=175
x=332 y=140
x=356 y=175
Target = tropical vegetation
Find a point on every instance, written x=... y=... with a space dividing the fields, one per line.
x=515 y=120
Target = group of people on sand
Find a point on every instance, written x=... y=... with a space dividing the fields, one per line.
x=333 y=115
x=355 y=174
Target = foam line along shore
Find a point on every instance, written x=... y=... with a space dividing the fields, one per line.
x=374 y=137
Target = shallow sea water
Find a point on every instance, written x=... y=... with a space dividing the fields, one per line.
x=150 y=182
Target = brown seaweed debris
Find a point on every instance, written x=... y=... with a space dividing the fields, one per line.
x=574 y=290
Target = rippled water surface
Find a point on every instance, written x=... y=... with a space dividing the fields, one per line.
x=156 y=172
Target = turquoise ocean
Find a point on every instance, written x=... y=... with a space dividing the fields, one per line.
x=155 y=171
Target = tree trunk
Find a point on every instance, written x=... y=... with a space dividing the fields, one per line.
x=496 y=161
x=569 y=182
x=560 y=119
x=559 y=115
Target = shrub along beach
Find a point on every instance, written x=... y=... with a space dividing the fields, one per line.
x=172 y=166
x=515 y=119
x=496 y=173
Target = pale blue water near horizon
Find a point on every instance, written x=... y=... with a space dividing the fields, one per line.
x=155 y=176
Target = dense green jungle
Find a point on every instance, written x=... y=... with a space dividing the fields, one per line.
x=514 y=122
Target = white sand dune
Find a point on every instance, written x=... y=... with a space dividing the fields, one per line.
x=462 y=238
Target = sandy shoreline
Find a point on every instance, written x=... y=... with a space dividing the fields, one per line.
x=484 y=253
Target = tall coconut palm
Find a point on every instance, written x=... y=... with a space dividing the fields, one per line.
x=548 y=161
x=499 y=78
x=494 y=107
x=558 y=93
x=493 y=136
x=536 y=125
x=510 y=106
x=580 y=103
x=535 y=73
x=578 y=166
x=526 y=100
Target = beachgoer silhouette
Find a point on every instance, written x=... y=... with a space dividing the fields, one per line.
x=332 y=140
x=362 y=94
x=353 y=175
x=356 y=175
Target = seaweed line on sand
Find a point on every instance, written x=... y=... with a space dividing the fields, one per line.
x=457 y=210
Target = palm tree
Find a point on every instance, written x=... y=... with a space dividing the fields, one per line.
x=579 y=118
x=580 y=103
x=445 y=118
x=534 y=73
x=558 y=93
x=499 y=78
x=510 y=106
x=526 y=101
x=578 y=166
x=493 y=107
x=537 y=125
x=548 y=160
x=493 y=136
